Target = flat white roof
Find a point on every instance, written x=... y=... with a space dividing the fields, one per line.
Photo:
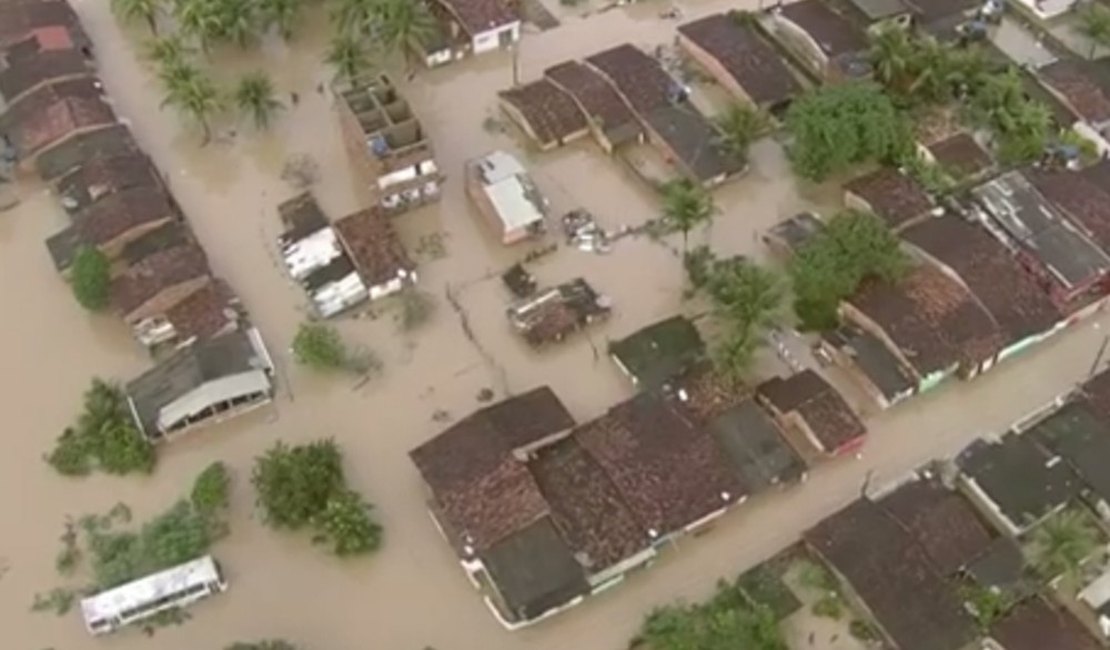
x=1097 y=593
x=213 y=391
x=304 y=256
x=110 y=603
x=511 y=191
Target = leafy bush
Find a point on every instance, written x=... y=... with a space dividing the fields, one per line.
x=176 y=536
x=319 y=347
x=211 y=490
x=345 y=525
x=90 y=277
x=712 y=626
x=105 y=437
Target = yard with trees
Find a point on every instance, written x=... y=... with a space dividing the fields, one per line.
x=104 y=437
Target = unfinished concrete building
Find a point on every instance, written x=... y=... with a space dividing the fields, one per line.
x=388 y=145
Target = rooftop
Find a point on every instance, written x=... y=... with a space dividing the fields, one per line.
x=658 y=352
x=931 y=318
x=961 y=155
x=1083 y=196
x=480 y=16
x=205 y=313
x=391 y=132
x=895 y=197
x=169 y=235
x=791 y=393
x=695 y=141
x=881 y=9
x=874 y=360
x=834 y=33
x=933 y=10
x=509 y=188
x=1025 y=482
x=550 y=315
x=1077 y=434
x=1012 y=296
x=894 y=577
x=797 y=230
x=374 y=247
x=754 y=445
x=301 y=216
x=638 y=77
x=26 y=74
x=751 y=61
x=1034 y=624
x=115 y=214
x=941 y=520
x=1096 y=394
x=586 y=506
x=597 y=98
x=825 y=412
x=551 y=114
x=1082 y=85
x=669 y=473
x=52 y=112
x=1000 y=566
x=178 y=382
x=112 y=141
x=155 y=273
x=19 y=18
x=101 y=176
x=1028 y=219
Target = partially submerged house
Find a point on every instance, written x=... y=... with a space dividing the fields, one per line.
x=377 y=252
x=471 y=27
x=786 y=238
x=1084 y=88
x=158 y=282
x=741 y=60
x=1076 y=433
x=874 y=14
x=809 y=405
x=551 y=315
x=754 y=445
x=52 y=114
x=202 y=384
x=548 y=115
x=655 y=354
x=894 y=196
x=609 y=118
x=1037 y=624
x=831 y=46
x=23 y=73
x=111 y=141
x=315 y=259
x=54 y=23
x=959 y=156
x=870 y=364
x=388 y=144
x=506 y=196
x=1096 y=597
x=1015 y=482
x=104 y=175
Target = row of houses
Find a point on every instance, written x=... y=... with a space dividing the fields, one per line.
x=58 y=125
x=911 y=553
x=543 y=510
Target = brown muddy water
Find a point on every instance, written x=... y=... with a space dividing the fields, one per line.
x=412 y=594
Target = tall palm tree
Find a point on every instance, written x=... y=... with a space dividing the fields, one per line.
x=739 y=126
x=144 y=10
x=236 y=20
x=355 y=16
x=282 y=14
x=348 y=56
x=1062 y=542
x=1094 y=23
x=892 y=54
x=192 y=93
x=255 y=96
x=198 y=19
x=405 y=25
x=686 y=205
x=167 y=51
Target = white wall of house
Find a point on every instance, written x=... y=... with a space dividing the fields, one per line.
x=491 y=40
x=334 y=297
x=389 y=288
x=1045 y=9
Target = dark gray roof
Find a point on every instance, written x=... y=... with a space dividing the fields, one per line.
x=190 y=368
x=880 y=9
x=1001 y=566
x=1031 y=221
x=300 y=216
x=1024 y=481
x=1075 y=433
x=534 y=571
x=78 y=150
x=659 y=351
x=63 y=247
x=874 y=360
x=162 y=238
x=695 y=140
x=333 y=271
x=755 y=447
x=834 y=34
x=797 y=230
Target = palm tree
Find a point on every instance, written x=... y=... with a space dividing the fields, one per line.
x=892 y=54
x=1063 y=542
x=236 y=21
x=355 y=16
x=406 y=25
x=193 y=94
x=168 y=51
x=255 y=96
x=686 y=205
x=145 y=10
x=348 y=56
x=1094 y=23
x=282 y=14
x=740 y=126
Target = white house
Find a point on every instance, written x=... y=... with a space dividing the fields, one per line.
x=502 y=190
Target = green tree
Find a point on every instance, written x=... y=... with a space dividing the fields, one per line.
x=211 y=492
x=830 y=267
x=1060 y=544
x=712 y=627
x=105 y=437
x=173 y=537
x=90 y=278
x=740 y=125
x=835 y=127
x=348 y=55
x=405 y=26
x=1022 y=126
x=355 y=18
x=1094 y=23
x=893 y=58
x=294 y=484
x=346 y=526
x=134 y=10
x=686 y=205
x=255 y=96
x=281 y=14
x=192 y=93
x=213 y=21
x=987 y=605
x=168 y=52
x=319 y=347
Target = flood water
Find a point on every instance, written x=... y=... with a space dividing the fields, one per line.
x=412 y=594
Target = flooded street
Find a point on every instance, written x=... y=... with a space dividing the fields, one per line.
x=411 y=594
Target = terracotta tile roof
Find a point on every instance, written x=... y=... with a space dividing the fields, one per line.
x=834 y=33
x=668 y=472
x=206 y=313
x=1082 y=195
x=496 y=504
x=550 y=113
x=788 y=394
x=116 y=214
x=594 y=94
x=942 y=521
x=1082 y=90
x=961 y=154
x=101 y=176
x=156 y=273
x=373 y=246
x=825 y=412
x=53 y=112
x=705 y=393
x=28 y=73
x=894 y=577
x=587 y=507
x=1012 y=296
x=892 y=195
x=752 y=62
x=78 y=150
x=18 y=18
x=479 y=16
x=637 y=76
x=1036 y=625
x=931 y=318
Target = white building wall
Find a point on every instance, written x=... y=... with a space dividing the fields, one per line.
x=491 y=40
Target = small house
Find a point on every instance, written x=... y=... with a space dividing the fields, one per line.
x=652 y=356
x=376 y=252
x=806 y=403
x=506 y=196
x=551 y=315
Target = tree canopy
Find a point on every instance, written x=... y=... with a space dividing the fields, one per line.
x=740 y=125
x=90 y=278
x=686 y=205
x=104 y=437
x=835 y=127
x=178 y=535
x=348 y=55
x=192 y=93
x=830 y=267
x=139 y=10
x=1060 y=544
x=211 y=490
x=729 y=621
x=319 y=347
x=255 y=98
x=1094 y=23
x=1022 y=126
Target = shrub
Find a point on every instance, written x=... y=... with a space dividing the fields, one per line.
x=211 y=490
x=319 y=347
x=90 y=277
x=105 y=437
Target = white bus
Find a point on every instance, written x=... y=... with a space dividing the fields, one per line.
x=177 y=587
